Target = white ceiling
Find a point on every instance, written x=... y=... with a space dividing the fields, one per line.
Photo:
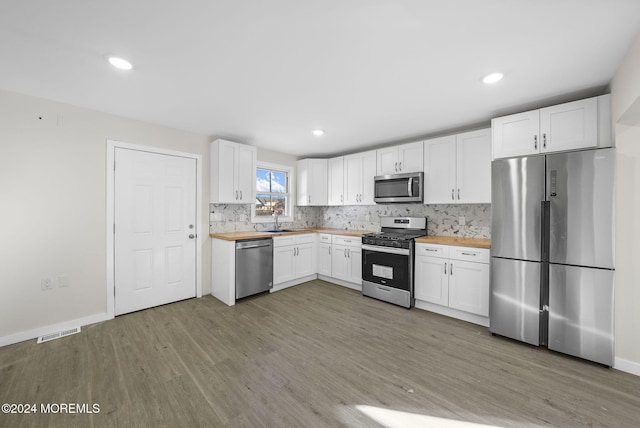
x=266 y=73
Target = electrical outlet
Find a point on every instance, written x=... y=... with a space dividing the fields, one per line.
x=46 y=283
x=63 y=281
x=462 y=221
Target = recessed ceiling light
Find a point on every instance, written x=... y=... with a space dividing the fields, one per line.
x=317 y=132
x=120 y=63
x=492 y=78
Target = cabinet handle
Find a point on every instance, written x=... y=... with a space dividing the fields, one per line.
x=544 y=140
x=458 y=193
x=400 y=166
x=430 y=249
x=445 y=268
x=396 y=166
x=341 y=199
x=236 y=195
x=241 y=195
x=309 y=199
x=329 y=250
x=345 y=253
x=453 y=198
x=451 y=269
x=535 y=142
x=469 y=254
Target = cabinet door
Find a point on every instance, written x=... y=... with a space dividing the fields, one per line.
x=410 y=157
x=303 y=182
x=305 y=260
x=352 y=179
x=469 y=287
x=473 y=167
x=432 y=280
x=317 y=189
x=324 y=259
x=354 y=260
x=439 y=170
x=368 y=173
x=226 y=172
x=284 y=267
x=339 y=262
x=246 y=173
x=516 y=134
x=569 y=126
x=335 y=178
x=387 y=161
x=312 y=182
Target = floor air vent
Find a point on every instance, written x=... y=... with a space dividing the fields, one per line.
x=58 y=335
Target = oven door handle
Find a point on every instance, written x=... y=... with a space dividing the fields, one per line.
x=410 y=186
x=390 y=250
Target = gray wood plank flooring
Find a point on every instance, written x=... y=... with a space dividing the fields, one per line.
x=308 y=356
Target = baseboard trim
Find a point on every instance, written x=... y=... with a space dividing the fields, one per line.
x=293 y=282
x=627 y=366
x=41 y=331
x=357 y=287
x=453 y=313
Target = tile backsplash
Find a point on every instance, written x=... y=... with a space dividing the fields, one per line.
x=442 y=219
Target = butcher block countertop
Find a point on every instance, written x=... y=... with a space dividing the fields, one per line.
x=252 y=234
x=454 y=240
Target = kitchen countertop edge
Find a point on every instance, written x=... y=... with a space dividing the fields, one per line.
x=252 y=234
x=456 y=241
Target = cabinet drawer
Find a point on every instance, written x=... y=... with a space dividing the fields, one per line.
x=349 y=241
x=324 y=238
x=283 y=241
x=432 y=250
x=470 y=254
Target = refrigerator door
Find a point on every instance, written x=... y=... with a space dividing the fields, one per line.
x=514 y=303
x=581 y=312
x=581 y=194
x=517 y=189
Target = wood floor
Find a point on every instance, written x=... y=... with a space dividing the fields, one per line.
x=313 y=355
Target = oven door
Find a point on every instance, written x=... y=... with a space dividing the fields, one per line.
x=387 y=266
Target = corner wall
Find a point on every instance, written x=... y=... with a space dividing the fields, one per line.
x=53 y=207
x=625 y=94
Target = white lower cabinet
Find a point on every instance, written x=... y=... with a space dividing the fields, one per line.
x=340 y=260
x=453 y=281
x=294 y=257
x=324 y=254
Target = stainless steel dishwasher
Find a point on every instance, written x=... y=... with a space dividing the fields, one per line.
x=254 y=266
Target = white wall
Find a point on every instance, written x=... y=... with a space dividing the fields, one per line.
x=625 y=93
x=53 y=208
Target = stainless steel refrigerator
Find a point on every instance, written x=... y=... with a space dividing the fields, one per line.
x=552 y=251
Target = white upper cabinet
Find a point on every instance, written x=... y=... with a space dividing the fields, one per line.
x=457 y=168
x=312 y=182
x=233 y=172
x=359 y=171
x=516 y=134
x=335 y=180
x=473 y=167
x=400 y=159
x=579 y=124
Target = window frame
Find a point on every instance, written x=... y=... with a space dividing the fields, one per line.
x=289 y=194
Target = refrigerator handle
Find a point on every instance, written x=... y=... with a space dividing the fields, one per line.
x=545 y=207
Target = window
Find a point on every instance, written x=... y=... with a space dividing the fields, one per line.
x=273 y=186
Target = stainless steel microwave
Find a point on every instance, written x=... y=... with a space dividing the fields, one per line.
x=398 y=188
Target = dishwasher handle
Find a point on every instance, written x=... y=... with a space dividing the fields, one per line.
x=240 y=245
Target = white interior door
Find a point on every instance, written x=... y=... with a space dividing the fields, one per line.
x=155 y=229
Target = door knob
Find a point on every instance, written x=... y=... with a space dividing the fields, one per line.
x=191 y=236
x=191 y=226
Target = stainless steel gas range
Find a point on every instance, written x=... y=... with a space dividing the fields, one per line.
x=388 y=259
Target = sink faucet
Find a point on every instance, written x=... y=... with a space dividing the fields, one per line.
x=276 y=225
